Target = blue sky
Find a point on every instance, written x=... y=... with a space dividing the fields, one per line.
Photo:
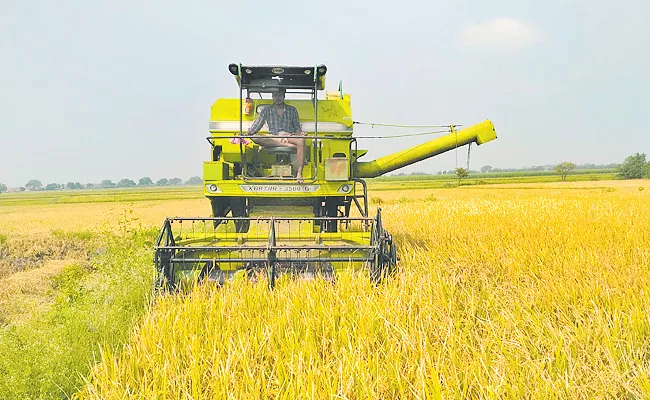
x=122 y=89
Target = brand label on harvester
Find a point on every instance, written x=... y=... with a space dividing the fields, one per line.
x=280 y=188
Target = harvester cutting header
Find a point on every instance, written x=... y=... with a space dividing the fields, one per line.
x=286 y=185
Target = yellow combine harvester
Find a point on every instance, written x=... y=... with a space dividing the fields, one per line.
x=269 y=220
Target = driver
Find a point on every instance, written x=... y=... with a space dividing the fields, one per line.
x=282 y=120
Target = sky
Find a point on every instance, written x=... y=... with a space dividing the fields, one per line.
x=123 y=89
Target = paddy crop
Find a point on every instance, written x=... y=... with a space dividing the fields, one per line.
x=521 y=292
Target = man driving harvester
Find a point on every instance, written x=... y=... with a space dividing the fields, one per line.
x=282 y=120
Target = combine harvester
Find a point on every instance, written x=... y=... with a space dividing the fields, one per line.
x=267 y=222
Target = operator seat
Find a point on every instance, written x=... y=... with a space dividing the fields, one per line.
x=278 y=150
x=283 y=155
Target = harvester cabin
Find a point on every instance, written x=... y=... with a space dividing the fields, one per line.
x=326 y=123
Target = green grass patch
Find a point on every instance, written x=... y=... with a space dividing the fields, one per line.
x=492 y=175
x=94 y=305
x=100 y=195
x=449 y=181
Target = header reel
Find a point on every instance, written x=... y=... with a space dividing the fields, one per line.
x=195 y=250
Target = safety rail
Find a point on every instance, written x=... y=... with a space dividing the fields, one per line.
x=316 y=152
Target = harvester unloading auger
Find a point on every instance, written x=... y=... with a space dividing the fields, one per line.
x=266 y=222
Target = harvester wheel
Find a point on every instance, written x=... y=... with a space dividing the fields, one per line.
x=255 y=271
x=220 y=207
x=385 y=260
x=240 y=208
x=204 y=274
x=331 y=210
x=169 y=280
x=165 y=270
x=158 y=285
x=393 y=257
x=376 y=270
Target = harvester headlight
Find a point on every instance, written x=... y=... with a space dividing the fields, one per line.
x=345 y=188
x=212 y=188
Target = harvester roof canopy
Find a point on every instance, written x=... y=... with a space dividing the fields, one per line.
x=268 y=79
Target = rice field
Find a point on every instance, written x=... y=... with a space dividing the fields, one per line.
x=503 y=291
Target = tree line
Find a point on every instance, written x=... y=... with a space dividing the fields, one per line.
x=634 y=167
x=35 y=184
x=536 y=168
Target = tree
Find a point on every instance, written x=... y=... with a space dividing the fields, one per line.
x=564 y=168
x=69 y=185
x=125 y=183
x=52 y=186
x=162 y=182
x=90 y=185
x=461 y=173
x=634 y=167
x=107 y=183
x=3 y=188
x=77 y=185
x=146 y=181
x=486 y=168
x=195 y=180
x=34 y=185
x=175 y=181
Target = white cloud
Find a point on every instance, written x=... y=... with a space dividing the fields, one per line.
x=500 y=32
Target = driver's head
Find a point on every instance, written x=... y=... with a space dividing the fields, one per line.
x=278 y=97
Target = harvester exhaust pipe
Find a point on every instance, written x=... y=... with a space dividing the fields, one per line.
x=479 y=134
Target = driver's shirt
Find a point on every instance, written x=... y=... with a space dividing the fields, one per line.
x=288 y=122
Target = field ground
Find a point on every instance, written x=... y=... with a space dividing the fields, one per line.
x=513 y=290
x=24 y=294
x=107 y=208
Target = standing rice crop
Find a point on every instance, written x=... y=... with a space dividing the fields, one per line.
x=508 y=294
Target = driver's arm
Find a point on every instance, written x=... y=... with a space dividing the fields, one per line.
x=259 y=122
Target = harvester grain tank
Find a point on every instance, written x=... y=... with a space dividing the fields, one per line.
x=265 y=220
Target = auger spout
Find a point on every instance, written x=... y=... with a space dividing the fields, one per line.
x=479 y=134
